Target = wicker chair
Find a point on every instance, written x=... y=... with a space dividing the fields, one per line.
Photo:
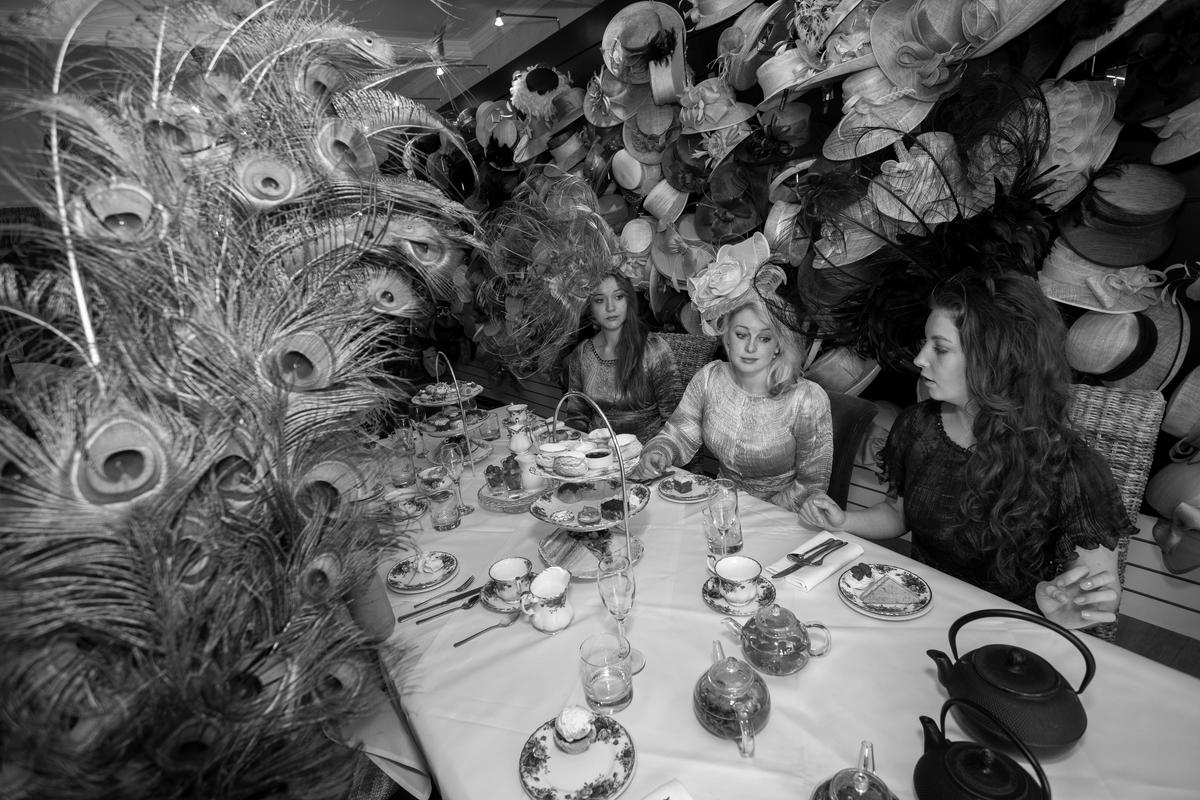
x=691 y=352
x=1122 y=426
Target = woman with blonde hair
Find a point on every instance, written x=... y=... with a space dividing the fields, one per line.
x=768 y=426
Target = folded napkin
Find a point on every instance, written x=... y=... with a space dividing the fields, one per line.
x=671 y=790
x=807 y=578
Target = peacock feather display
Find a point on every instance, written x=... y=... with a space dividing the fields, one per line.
x=230 y=229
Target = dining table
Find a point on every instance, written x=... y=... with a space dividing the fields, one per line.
x=466 y=712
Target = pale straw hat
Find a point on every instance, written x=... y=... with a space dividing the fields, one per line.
x=1182 y=417
x=741 y=46
x=710 y=106
x=570 y=152
x=833 y=40
x=856 y=233
x=664 y=202
x=638 y=32
x=842 y=370
x=609 y=101
x=1179 y=132
x=634 y=175
x=920 y=44
x=706 y=13
x=1082 y=136
x=875 y=113
x=636 y=238
x=925 y=182
x=990 y=24
x=646 y=133
x=1141 y=350
x=1134 y=12
x=1073 y=280
x=679 y=252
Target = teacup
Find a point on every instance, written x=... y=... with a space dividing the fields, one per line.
x=546 y=601
x=737 y=579
x=518 y=413
x=511 y=577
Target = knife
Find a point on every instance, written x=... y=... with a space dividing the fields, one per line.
x=454 y=598
x=804 y=559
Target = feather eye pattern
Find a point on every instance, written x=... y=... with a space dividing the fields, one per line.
x=191 y=510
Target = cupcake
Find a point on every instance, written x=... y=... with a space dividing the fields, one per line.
x=573 y=730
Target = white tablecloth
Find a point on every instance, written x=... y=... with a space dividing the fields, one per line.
x=471 y=708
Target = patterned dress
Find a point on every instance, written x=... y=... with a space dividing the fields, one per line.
x=596 y=377
x=779 y=449
x=928 y=469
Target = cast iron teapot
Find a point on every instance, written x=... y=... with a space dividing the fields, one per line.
x=1018 y=687
x=969 y=771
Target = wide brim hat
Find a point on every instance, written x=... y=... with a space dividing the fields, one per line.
x=678 y=260
x=853 y=234
x=875 y=114
x=1127 y=217
x=634 y=31
x=636 y=238
x=926 y=182
x=929 y=67
x=570 y=152
x=1081 y=137
x=706 y=13
x=647 y=133
x=1179 y=134
x=1182 y=417
x=740 y=48
x=1134 y=12
x=990 y=24
x=1068 y=278
x=1142 y=350
x=843 y=42
x=710 y=105
x=609 y=101
x=684 y=164
x=669 y=263
x=842 y=370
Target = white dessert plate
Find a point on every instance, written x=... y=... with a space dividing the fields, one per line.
x=422 y=572
x=601 y=772
x=711 y=593
x=857 y=586
x=671 y=489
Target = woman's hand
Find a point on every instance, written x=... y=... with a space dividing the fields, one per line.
x=1077 y=598
x=651 y=464
x=821 y=513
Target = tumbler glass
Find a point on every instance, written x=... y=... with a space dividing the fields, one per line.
x=606 y=673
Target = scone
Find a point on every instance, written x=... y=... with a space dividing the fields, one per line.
x=570 y=466
x=574 y=730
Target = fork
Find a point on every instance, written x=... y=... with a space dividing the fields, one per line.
x=468 y=603
x=461 y=587
x=504 y=623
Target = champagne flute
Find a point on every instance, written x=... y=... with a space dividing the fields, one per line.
x=453 y=460
x=617 y=590
x=414 y=424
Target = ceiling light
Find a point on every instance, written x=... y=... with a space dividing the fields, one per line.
x=500 y=15
x=499 y=20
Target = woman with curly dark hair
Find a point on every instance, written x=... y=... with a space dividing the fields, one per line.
x=996 y=486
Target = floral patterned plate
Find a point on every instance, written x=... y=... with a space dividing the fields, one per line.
x=562 y=505
x=710 y=592
x=882 y=591
x=444 y=394
x=673 y=489
x=422 y=572
x=601 y=772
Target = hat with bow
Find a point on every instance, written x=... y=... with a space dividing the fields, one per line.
x=833 y=39
x=875 y=113
x=644 y=38
x=710 y=106
x=743 y=46
x=921 y=44
x=610 y=101
x=1082 y=135
x=1069 y=278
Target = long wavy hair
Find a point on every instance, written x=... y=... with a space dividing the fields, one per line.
x=632 y=343
x=788 y=367
x=1018 y=381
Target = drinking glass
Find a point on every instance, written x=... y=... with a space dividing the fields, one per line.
x=402 y=470
x=489 y=429
x=443 y=510
x=605 y=671
x=415 y=427
x=453 y=460
x=617 y=589
x=723 y=539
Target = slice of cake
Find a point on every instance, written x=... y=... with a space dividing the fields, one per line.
x=574 y=730
x=887 y=591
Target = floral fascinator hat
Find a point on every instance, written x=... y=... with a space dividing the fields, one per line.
x=737 y=271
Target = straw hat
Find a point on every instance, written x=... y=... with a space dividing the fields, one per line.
x=1082 y=135
x=718 y=145
x=679 y=252
x=1182 y=417
x=842 y=370
x=664 y=202
x=610 y=101
x=1073 y=280
x=833 y=40
x=785 y=182
x=1132 y=351
x=634 y=175
x=636 y=238
x=684 y=164
x=570 y=152
x=1127 y=217
x=920 y=44
x=924 y=183
x=1179 y=535
x=852 y=236
x=741 y=46
x=1179 y=132
x=875 y=113
x=705 y=13
x=710 y=106
x=641 y=34
x=646 y=133
x=989 y=24
x=1134 y=12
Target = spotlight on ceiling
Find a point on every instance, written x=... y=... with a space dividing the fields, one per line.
x=500 y=15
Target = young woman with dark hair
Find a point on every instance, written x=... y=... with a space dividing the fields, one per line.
x=629 y=372
x=996 y=486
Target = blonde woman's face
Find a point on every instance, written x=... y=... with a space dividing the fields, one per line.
x=750 y=343
x=609 y=305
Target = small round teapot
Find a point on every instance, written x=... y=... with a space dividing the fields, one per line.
x=777 y=643
x=1018 y=687
x=970 y=771
x=855 y=783
x=731 y=700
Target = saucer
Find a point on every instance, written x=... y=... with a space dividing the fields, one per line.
x=406 y=578
x=489 y=599
x=601 y=772
x=855 y=588
x=713 y=599
x=668 y=489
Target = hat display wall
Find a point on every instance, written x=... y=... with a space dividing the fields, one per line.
x=647 y=132
x=1143 y=350
x=1082 y=135
x=920 y=45
x=706 y=13
x=1073 y=280
x=1127 y=217
x=1179 y=132
x=990 y=24
x=641 y=35
x=1134 y=12
x=741 y=49
x=875 y=114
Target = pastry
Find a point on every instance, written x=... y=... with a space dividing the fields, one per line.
x=574 y=730
x=570 y=466
x=612 y=509
x=889 y=592
x=684 y=486
x=588 y=515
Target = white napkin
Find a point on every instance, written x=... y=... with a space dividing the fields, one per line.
x=671 y=790
x=807 y=578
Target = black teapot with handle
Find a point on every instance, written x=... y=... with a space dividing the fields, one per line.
x=1018 y=687
x=970 y=771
